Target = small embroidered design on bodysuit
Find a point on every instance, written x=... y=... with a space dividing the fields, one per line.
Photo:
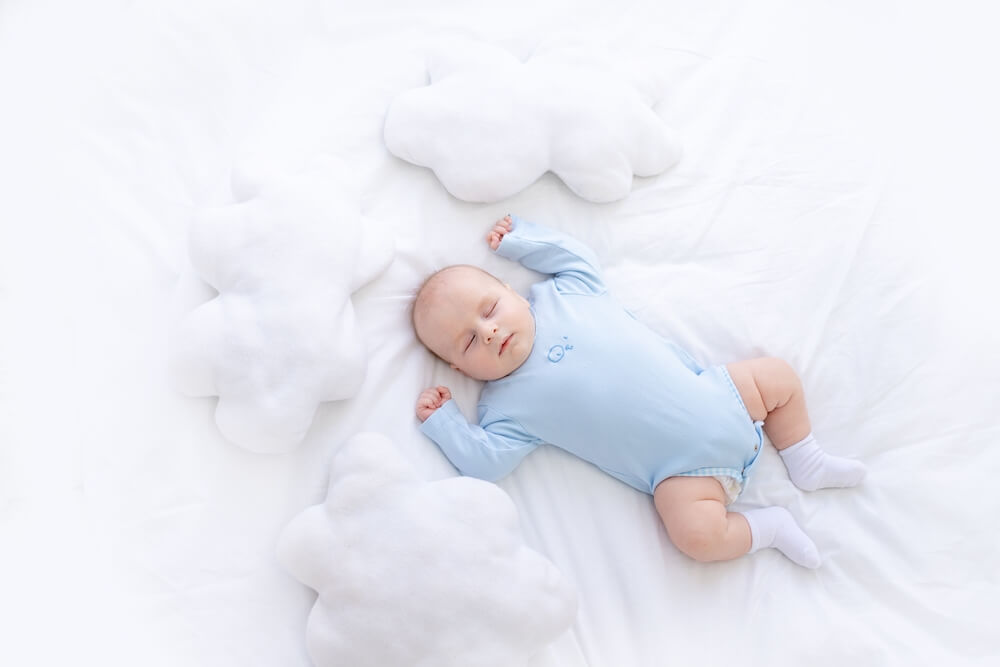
x=557 y=352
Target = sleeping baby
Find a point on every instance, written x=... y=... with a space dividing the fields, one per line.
x=570 y=367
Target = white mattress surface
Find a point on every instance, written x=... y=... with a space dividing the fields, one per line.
x=835 y=206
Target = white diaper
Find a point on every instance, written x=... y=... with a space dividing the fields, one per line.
x=731 y=486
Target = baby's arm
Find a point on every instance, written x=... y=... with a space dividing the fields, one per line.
x=488 y=451
x=574 y=265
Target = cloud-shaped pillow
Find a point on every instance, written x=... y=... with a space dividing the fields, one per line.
x=490 y=125
x=281 y=336
x=420 y=573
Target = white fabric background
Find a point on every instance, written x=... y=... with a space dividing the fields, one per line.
x=835 y=206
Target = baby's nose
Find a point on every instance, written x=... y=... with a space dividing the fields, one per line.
x=488 y=332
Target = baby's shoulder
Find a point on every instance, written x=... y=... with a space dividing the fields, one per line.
x=543 y=288
x=497 y=393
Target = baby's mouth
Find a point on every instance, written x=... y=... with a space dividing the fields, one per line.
x=503 y=345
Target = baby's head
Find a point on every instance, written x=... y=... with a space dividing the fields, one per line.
x=476 y=323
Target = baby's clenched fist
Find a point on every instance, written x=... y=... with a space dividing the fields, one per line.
x=430 y=400
x=500 y=229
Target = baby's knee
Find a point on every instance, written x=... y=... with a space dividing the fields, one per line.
x=700 y=534
x=779 y=373
x=778 y=367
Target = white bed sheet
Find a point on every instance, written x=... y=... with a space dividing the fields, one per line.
x=834 y=207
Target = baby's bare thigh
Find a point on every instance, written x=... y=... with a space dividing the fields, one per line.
x=745 y=375
x=693 y=511
x=675 y=495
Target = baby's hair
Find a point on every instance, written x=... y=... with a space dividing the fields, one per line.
x=428 y=285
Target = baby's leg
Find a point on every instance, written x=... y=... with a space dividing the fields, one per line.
x=694 y=513
x=693 y=510
x=772 y=392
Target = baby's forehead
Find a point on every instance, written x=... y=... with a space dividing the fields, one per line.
x=465 y=271
x=454 y=282
x=458 y=279
x=456 y=273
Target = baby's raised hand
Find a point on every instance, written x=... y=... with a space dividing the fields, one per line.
x=430 y=400
x=500 y=229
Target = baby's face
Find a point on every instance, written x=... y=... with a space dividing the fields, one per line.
x=482 y=327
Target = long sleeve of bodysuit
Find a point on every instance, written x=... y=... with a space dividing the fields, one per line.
x=573 y=266
x=488 y=451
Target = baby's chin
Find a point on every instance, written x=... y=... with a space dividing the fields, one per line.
x=496 y=373
x=517 y=362
x=490 y=377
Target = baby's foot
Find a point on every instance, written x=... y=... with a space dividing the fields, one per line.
x=775 y=527
x=810 y=468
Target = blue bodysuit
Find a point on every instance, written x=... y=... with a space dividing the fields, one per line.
x=600 y=385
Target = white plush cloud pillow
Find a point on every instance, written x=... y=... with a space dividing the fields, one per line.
x=280 y=337
x=490 y=125
x=420 y=573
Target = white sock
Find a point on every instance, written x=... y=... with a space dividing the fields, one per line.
x=810 y=468
x=775 y=527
